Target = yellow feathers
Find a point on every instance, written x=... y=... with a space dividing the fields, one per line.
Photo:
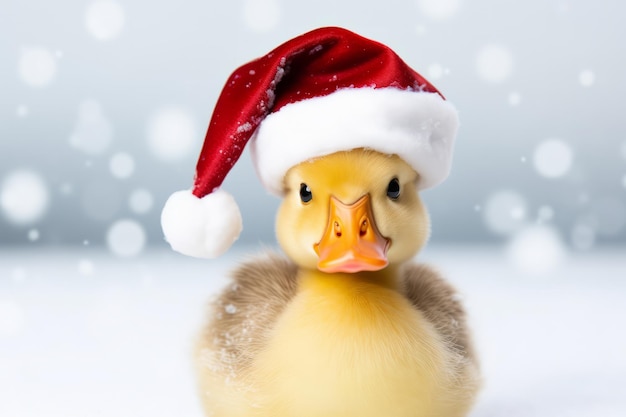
x=348 y=347
x=374 y=338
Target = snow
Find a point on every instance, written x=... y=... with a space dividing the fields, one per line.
x=122 y=165
x=22 y=111
x=586 y=78
x=172 y=134
x=545 y=214
x=12 y=318
x=537 y=250
x=24 y=197
x=435 y=71
x=246 y=127
x=548 y=347
x=33 y=235
x=261 y=15
x=515 y=98
x=439 y=9
x=86 y=267
x=37 y=66
x=18 y=274
x=93 y=132
x=553 y=158
x=505 y=212
x=230 y=309
x=494 y=63
x=126 y=238
x=141 y=201
x=104 y=19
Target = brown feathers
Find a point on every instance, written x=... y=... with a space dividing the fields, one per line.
x=246 y=311
x=440 y=304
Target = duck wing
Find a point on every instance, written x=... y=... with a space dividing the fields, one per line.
x=440 y=304
x=242 y=316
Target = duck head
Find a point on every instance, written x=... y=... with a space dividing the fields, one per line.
x=352 y=211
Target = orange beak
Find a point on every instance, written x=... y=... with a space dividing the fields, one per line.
x=351 y=242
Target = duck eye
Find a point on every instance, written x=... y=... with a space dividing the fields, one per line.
x=393 y=189
x=305 y=193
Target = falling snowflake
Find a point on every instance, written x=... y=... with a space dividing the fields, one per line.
x=230 y=309
x=66 y=188
x=261 y=15
x=563 y=6
x=122 y=165
x=37 y=66
x=494 y=63
x=22 y=111
x=586 y=78
x=439 y=9
x=33 y=235
x=172 y=134
x=536 y=250
x=505 y=212
x=553 y=158
x=104 y=19
x=435 y=71
x=93 y=132
x=141 y=201
x=515 y=98
x=126 y=238
x=24 y=197
x=545 y=214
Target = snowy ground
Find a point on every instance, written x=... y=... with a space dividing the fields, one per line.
x=86 y=334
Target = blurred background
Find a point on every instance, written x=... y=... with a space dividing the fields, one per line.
x=103 y=109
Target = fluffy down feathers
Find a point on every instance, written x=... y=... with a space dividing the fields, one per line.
x=243 y=316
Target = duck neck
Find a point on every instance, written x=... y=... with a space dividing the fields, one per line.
x=388 y=277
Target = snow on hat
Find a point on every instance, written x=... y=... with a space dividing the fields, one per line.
x=326 y=91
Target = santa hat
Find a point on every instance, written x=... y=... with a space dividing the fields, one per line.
x=326 y=91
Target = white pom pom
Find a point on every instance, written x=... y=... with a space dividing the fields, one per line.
x=201 y=227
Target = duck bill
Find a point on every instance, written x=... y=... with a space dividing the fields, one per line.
x=351 y=241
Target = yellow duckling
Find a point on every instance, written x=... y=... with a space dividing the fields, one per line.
x=315 y=339
x=347 y=134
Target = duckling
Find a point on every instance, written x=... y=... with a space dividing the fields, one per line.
x=343 y=324
x=346 y=326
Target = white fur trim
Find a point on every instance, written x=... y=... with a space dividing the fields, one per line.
x=201 y=227
x=419 y=127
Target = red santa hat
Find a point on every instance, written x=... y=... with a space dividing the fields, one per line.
x=326 y=91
